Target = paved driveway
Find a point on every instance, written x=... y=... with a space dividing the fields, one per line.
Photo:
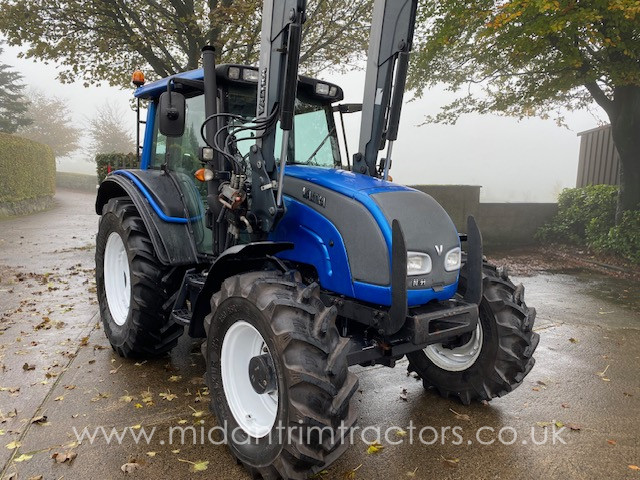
x=55 y=362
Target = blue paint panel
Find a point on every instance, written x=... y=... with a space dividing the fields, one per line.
x=359 y=188
x=382 y=295
x=312 y=234
x=352 y=185
x=156 y=208
x=148 y=137
x=154 y=89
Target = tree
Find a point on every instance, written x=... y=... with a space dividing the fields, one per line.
x=13 y=103
x=106 y=40
x=52 y=124
x=534 y=57
x=107 y=133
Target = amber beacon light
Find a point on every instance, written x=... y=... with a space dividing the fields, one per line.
x=138 y=78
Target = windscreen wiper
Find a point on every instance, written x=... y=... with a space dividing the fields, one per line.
x=315 y=152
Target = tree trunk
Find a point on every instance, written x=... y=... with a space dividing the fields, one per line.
x=625 y=127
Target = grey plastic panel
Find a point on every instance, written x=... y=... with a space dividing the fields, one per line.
x=425 y=225
x=366 y=248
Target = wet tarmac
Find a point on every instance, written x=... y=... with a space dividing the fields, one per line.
x=55 y=362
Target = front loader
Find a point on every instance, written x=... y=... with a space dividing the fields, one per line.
x=244 y=226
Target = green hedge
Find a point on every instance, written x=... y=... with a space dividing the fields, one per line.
x=587 y=216
x=116 y=161
x=27 y=169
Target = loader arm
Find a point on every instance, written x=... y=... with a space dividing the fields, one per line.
x=391 y=41
x=278 y=79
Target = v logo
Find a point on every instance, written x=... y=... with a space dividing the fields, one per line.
x=439 y=249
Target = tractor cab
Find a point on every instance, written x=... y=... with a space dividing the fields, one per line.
x=315 y=140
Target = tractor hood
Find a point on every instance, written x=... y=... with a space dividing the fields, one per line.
x=362 y=209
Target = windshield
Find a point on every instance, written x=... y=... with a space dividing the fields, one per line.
x=315 y=136
x=314 y=130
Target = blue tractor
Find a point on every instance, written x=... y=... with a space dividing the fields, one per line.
x=246 y=227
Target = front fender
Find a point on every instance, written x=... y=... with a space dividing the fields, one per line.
x=233 y=261
x=173 y=242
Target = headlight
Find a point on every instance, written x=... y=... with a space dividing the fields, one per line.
x=418 y=263
x=453 y=260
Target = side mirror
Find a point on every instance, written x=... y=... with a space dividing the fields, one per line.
x=171 y=114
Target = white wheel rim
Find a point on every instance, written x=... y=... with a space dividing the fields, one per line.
x=255 y=413
x=117 y=278
x=459 y=358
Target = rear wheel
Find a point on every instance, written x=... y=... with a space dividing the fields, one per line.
x=133 y=286
x=492 y=360
x=278 y=374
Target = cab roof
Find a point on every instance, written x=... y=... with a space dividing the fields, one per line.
x=306 y=85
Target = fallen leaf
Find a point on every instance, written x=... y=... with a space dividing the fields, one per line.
x=151 y=454
x=403 y=394
x=23 y=458
x=100 y=396
x=58 y=399
x=168 y=396
x=374 y=447
x=138 y=405
x=38 y=477
x=451 y=462
x=401 y=433
x=320 y=474
x=574 y=340
x=351 y=474
x=26 y=367
x=175 y=451
x=84 y=341
x=574 y=426
x=175 y=378
x=13 y=445
x=68 y=456
x=565 y=405
x=461 y=416
x=130 y=467
x=601 y=374
x=40 y=419
x=196 y=413
x=559 y=424
x=634 y=467
x=412 y=474
x=115 y=370
x=542 y=424
x=612 y=442
x=126 y=399
x=199 y=466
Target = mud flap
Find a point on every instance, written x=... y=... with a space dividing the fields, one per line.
x=473 y=266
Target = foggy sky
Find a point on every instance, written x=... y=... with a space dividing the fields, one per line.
x=526 y=161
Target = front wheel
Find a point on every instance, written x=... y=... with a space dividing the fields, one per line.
x=278 y=374
x=492 y=360
x=133 y=286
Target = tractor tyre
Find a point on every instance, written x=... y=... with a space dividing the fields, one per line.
x=133 y=287
x=494 y=359
x=278 y=375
